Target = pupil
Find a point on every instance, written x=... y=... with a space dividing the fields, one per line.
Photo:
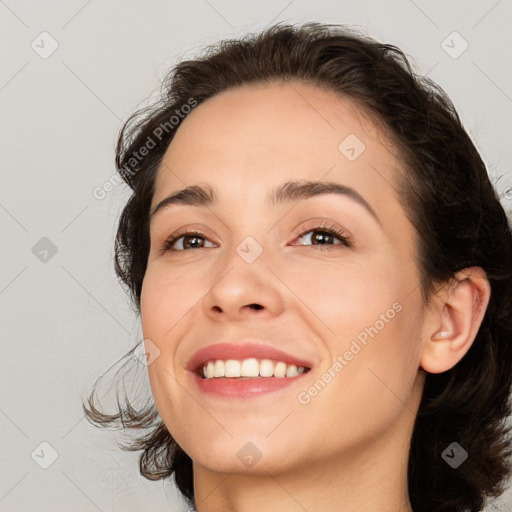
x=189 y=238
x=321 y=237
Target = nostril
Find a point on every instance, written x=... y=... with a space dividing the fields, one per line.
x=256 y=306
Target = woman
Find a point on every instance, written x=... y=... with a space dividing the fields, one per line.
x=324 y=275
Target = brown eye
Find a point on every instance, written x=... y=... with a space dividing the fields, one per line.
x=184 y=241
x=321 y=238
x=195 y=241
x=325 y=237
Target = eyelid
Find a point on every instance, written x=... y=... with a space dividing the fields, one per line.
x=323 y=225
x=327 y=226
x=184 y=231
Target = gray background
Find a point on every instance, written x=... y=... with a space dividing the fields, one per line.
x=64 y=318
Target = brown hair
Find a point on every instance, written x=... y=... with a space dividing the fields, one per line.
x=447 y=196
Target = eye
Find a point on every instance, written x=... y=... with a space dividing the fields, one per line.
x=196 y=239
x=324 y=234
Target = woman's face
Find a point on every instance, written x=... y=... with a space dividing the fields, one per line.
x=324 y=273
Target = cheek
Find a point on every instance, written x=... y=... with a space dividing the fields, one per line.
x=162 y=307
x=350 y=297
x=368 y=320
x=167 y=302
x=166 y=298
x=371 y=382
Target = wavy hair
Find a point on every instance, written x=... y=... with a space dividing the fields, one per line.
x=446 y=194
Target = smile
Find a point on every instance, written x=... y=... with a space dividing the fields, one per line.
x=250 y=368
x=244 y=370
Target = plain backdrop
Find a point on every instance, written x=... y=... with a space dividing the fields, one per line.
x=71 y=72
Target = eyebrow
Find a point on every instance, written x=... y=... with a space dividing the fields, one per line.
x=196 y=195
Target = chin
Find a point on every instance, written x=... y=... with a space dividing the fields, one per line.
x=242 y=458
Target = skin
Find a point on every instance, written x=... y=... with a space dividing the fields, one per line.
x=347 y=448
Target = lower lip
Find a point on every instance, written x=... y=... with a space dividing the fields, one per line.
x=243 y=388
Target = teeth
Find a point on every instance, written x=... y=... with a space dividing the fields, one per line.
x=291 y=371
x=232 y=368
x=208 y=370
x=218 y=370
x=266 y=368
x=280 y=370
x=251 y=367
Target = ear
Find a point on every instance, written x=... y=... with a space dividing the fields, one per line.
x=453 y=320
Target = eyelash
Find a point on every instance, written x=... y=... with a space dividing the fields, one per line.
x=343 y=237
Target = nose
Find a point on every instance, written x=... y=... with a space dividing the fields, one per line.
x=243 y=290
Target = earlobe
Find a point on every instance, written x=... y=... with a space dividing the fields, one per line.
x=454 y=320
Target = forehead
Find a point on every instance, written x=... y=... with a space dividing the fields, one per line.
x=255 y=136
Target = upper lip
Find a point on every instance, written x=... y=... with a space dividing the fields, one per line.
x=240 y=351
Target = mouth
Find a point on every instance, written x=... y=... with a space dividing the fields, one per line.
x=250 y=368
x=244 y=370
